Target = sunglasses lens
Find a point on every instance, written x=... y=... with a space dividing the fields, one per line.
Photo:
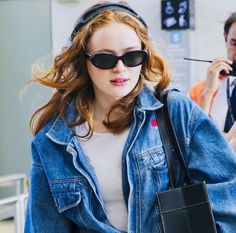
x=104 y=61
x=134 y=58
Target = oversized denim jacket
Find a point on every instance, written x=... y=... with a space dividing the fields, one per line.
x=65 y=196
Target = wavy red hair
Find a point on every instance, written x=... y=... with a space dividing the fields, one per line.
x=69 y=77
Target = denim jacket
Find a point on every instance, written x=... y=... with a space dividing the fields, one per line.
x=65 y=196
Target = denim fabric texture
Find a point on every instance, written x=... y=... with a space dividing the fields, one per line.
x=65 y=196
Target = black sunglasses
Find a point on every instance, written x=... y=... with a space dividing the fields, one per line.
x=107 y=61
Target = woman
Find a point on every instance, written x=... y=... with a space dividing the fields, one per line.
x=97 y=156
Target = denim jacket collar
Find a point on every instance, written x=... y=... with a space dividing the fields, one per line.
x=147 y=101
x=61 y=133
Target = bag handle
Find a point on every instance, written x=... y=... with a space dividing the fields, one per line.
x=170 y=143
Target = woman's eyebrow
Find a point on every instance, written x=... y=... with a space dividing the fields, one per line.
x=113 y=51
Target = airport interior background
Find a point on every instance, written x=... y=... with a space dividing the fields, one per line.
x=34 y=30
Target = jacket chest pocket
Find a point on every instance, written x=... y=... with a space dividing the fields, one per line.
x=75 y=199
x=152 y=159
x=151 y=168
x=67 y=193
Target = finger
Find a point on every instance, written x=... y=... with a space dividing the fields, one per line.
x=223 y=66
x=225 y=60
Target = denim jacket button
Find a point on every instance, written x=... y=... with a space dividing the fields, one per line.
x=70 y=150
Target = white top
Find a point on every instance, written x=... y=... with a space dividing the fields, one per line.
x=220 y=106
x=104 y=151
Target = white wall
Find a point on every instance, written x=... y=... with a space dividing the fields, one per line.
x=25 y=35
x=205 y=41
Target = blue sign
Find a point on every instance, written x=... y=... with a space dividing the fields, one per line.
x=174 y=14
x=175 y=37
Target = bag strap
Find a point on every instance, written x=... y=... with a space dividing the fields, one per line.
x=170 y=143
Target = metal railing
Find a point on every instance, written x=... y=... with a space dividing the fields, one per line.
x=14 y=205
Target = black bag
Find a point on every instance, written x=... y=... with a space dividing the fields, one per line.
x=183 y=209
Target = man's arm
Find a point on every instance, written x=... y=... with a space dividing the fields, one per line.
x=212 y=82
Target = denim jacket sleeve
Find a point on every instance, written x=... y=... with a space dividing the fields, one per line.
x=209 y=157
x=42 y=215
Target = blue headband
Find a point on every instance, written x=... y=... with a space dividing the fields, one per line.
x=96 y=11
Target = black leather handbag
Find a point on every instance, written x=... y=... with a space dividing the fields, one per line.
x=184 y=209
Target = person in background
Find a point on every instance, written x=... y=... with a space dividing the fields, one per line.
x=231 y=136
x=97 y=155
x=214 y=93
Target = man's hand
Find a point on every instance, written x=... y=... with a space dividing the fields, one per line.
x=216 y=72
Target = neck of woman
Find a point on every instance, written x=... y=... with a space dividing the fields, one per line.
x=100 y=114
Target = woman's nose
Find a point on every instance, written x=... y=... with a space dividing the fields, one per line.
x=119 y=66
